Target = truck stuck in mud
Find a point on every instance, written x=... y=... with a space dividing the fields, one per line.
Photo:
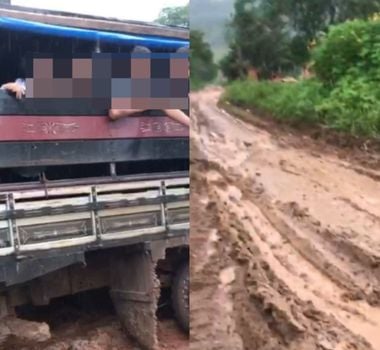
x=85 y=202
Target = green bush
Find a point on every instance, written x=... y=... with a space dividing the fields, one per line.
x=353 y=106
x=347 y=60
x=291 y=101
x=351 y=48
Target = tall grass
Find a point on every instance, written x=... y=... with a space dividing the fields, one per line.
x=290 y=101
x=353 y=106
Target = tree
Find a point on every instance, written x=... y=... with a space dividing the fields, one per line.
x=274 y=35
x=259 y=40
x=312 y=16
x=202 y=66
x=174 y=16
x=232 y=65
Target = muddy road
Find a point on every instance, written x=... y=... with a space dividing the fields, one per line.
x=285 y=239
x=86 y=321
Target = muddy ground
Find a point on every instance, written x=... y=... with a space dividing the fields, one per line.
x=285 y=237
x=86 y=321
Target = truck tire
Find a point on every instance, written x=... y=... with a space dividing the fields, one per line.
x=180 y=296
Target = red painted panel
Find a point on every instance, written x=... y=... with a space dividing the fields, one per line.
x=33 y=128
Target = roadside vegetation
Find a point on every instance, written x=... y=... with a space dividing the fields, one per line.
x=293 y=101
x=203 y=70
x=343 y=58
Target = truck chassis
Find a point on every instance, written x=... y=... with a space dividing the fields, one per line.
x=129 y=234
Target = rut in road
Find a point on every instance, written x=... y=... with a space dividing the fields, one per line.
x=286 y=242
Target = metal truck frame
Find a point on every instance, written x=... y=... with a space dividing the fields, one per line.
x=125 y=232
x=129 y=234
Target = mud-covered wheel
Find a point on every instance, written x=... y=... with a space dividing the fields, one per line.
x=180 y=295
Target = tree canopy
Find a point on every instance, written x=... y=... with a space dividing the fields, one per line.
x=273 y=35
x=174 y=16
x=202 y=67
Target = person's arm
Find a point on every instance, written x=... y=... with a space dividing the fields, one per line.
x=175 y=114
x=178 y=115
x=18 y=88
x=116 y=114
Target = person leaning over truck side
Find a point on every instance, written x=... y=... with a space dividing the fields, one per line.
x=175 y=114
x=17 y=87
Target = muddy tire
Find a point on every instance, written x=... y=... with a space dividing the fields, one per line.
x=180 y=296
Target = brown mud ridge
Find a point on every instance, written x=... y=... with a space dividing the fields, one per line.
x=285 y=241
x=361 y=150
x=83 y=322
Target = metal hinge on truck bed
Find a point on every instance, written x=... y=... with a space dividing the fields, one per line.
x=85 y=214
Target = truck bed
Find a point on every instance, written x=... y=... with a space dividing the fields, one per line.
x=88 y=215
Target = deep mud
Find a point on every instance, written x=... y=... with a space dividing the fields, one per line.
x=87 y=322
x=285 y=238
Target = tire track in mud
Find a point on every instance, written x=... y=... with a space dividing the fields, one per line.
x=267 y=314
x=294 y=280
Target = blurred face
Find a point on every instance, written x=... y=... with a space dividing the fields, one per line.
x=135 y=82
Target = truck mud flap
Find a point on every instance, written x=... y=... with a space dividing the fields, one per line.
x=135 y=290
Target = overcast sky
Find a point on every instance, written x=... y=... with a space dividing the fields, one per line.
x=138 y=10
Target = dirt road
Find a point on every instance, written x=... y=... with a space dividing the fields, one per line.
x=84 y=321
x=285 y=240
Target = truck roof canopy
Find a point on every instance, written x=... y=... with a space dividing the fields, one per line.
x=89 y=34
x=92 y=22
